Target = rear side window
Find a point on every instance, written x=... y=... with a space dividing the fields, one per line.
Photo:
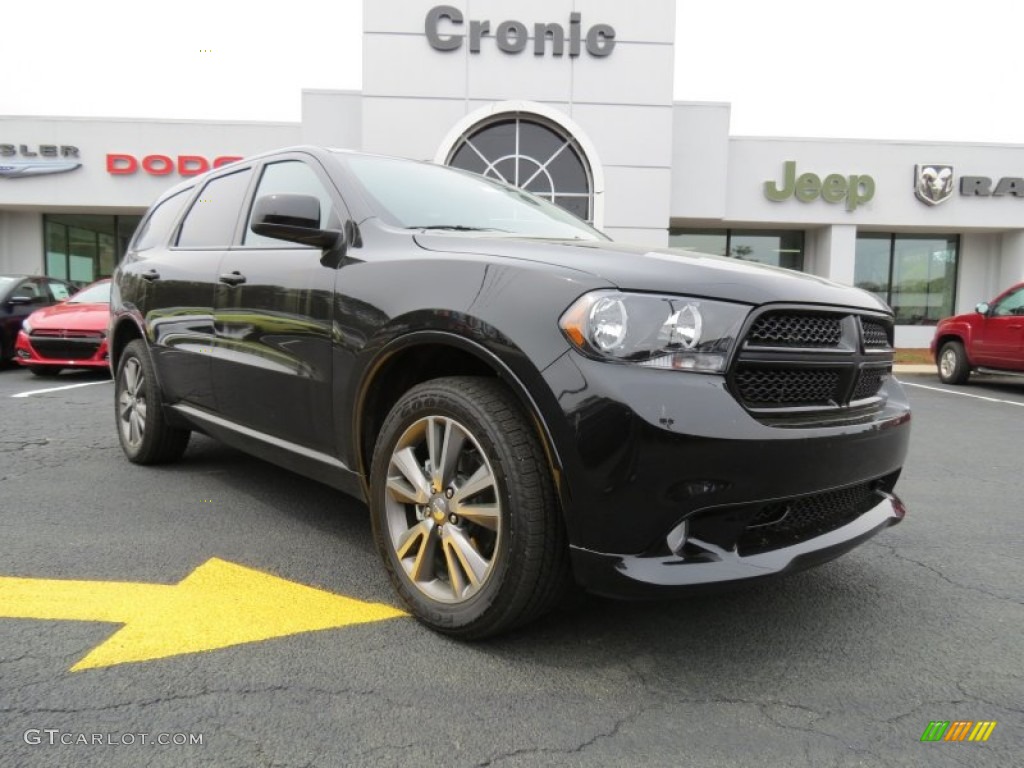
x=155 y=229
x=210 y=223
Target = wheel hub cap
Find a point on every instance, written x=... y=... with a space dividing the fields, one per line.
x=439 y=509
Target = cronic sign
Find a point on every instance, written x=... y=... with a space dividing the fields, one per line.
x=446 y=30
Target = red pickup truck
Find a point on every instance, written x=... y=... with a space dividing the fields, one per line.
x=988 y=340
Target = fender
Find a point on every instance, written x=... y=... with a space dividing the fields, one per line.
x=962 y=332
x=482 y=353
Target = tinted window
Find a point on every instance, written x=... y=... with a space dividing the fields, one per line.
x=210 y=223
x=1011 y=305
x=292 y=177
x=157 y=226
x=28 y=290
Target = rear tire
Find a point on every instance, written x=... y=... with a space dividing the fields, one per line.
x=952 y=363
x=142 y=428
x=478 y=546
x=44 y=370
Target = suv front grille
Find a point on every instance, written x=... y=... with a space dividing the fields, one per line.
x=782 y=329
x=870 y=381
x=875 y=335
x=794 y=386
x=805 y=360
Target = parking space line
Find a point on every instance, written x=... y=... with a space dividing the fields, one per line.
x=58 y=389
x=962 y=394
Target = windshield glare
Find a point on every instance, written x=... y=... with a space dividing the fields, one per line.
x=424 y=196
x=94 y=294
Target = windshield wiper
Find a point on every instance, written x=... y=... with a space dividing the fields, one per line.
x=458 y=228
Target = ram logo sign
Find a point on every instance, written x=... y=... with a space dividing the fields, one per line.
x=933 y=184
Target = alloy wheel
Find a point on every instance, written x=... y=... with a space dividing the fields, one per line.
x=443 y=509
x=131 y=403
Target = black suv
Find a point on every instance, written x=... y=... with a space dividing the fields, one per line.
x=520 y=401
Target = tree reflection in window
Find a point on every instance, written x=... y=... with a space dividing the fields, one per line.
x=532 y=154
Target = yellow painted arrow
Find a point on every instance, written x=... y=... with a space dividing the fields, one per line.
x=218 y=605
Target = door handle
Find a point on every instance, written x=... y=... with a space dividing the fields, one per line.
x=233 y=278
x=150 y=275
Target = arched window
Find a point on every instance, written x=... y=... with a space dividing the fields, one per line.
x=532 y=153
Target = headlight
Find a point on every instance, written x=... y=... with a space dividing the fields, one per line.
x=671 y=332
x=26 y=327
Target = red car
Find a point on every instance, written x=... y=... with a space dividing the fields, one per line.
x=72 y=334
x=988 y=340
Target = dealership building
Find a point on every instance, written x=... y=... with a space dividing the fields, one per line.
x=572 y=100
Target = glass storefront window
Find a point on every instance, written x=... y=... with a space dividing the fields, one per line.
x=56 y=250
x=714 y=241
x=85 y=247
x=914 y=274
x=83 y=255
x=779 y=248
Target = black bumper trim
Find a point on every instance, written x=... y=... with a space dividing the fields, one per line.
x=634 y=576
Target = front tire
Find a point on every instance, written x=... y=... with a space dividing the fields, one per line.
x=952 y=364
x=464 y=511
x=142 y=428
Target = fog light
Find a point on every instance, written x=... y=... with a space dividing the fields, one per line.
x=676 y=538
x=23 y=354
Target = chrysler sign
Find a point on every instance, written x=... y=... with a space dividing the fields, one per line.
x=20 y=160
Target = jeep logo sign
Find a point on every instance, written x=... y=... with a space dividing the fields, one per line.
x=834 y=188
x=444 y=29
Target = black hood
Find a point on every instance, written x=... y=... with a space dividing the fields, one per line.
x=635 y=268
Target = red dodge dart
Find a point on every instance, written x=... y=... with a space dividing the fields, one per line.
x=72 y=334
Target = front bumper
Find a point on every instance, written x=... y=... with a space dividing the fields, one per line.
x=706 y=566
x=78 y=351
x=652 y=458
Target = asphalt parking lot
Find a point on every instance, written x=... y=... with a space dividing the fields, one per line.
x=845 y=665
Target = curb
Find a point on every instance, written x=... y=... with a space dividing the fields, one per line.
x=913 y=368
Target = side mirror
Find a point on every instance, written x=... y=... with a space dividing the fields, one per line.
x=295 y=218
x=982 y=308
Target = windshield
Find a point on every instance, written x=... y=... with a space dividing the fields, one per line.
x=424 y=196
x=94 y=294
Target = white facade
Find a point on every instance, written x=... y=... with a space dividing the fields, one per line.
x=653 y=163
